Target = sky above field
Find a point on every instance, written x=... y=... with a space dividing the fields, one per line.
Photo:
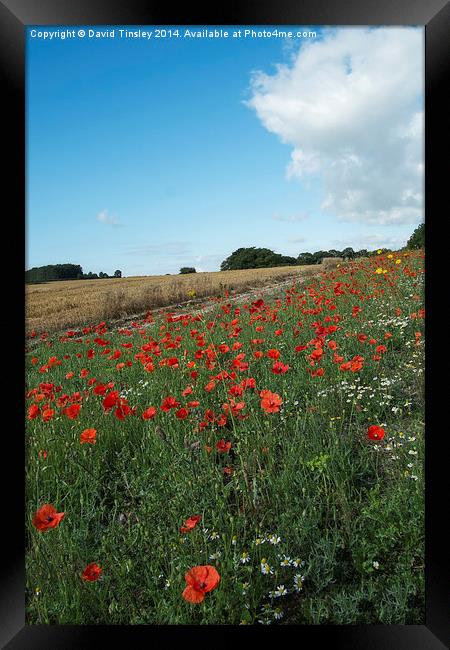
x=149 y=154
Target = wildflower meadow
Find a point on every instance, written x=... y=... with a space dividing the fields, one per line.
x=249 y=462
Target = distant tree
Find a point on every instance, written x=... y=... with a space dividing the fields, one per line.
x=255 y=258
x=103 y=275
x=334 y=253
x=319 y=256
x=306 y=258
x=53 y=272
x=118 y=273
x=348 y=253
x=417 y=239
x=187 y=269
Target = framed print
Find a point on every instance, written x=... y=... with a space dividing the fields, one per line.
x=227 y=369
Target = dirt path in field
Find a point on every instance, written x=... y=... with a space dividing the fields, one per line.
x=195 y=307
x=204 y=304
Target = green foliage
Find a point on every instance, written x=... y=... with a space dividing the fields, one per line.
x=255 y=258
x=53 y=272
x=417 y=239
x=187 y=269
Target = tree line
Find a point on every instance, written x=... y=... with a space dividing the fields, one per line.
x=258 y=258
x=52 y=272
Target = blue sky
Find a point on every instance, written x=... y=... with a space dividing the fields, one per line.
x=148 y=155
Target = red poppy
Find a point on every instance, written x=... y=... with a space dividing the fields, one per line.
x=92 y=572
x=223 y=447
x=110 y=399
x=47 y=414
x=88 y=435
x=279 y=368
x=190 y=524
x=182 y=413
x=72 y=411
x=169 y=403
x=122 y=410
x=200 y=580
x=47 y=517
x=375 y=432
x=33 y=411
x=270 y=402
x=149 y=413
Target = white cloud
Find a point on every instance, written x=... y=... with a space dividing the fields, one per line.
x=107 y=219
x=297 y=240
x=351 y=108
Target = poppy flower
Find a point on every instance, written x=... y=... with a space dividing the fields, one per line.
x=149 y=413
x=375 y=432
x=47 y=517
x=72 y=411
x=223 y=447
x=200 y=580
x=33 y=411
x=110 y=399
x=190 y=524
x=169 y=403
x=88 y=435
x=182 y=413
x=122 y=410
x=279 y=368
x=47 y=414
x=270 y=402
x=92 y=572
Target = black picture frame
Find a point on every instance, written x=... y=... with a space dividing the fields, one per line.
x=15 y=16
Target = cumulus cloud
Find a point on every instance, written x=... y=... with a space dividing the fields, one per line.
x=107 y=219
x=351 y=107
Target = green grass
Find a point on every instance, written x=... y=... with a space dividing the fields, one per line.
x=308 y=489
